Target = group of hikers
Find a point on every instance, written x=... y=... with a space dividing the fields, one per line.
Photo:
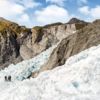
x=8 y=78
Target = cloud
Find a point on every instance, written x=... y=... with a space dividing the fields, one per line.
x=95 y=12
x=58 y=2
x=84 y=10
x=91 y=12
x=24 y=18
x=28 y=3
x=8 y=9
x=51 y=14
x=16 y=10
x=62 y=2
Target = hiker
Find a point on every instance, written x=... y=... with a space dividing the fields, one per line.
x=9 y=78
x=5 y=78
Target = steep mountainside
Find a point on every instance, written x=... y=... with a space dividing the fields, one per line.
x=87 y=37
x=19 y=43
x=9 y=41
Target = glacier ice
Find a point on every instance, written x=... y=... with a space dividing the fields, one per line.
x=77 y=79
x=24 y=69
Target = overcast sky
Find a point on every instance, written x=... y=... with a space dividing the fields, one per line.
x=40 y=12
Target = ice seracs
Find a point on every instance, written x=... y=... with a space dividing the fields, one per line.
x=24 y=69
x=78 y=79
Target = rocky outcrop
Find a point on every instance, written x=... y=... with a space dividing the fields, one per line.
x=45 y=37
x=85 y=38
x=75 y=21
x=10 y=43
x=19 y=43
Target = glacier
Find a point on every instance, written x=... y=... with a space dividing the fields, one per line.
x=25 y=68
x=77 y=79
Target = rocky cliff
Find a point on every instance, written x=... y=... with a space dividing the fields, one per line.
x=10 y=34
x=19 y=43
x=86 y=37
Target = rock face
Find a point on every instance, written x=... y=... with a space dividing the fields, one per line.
x=75 y=21
x=45 y=37
x=86 y=37
x=19 y=43
x=10 y=42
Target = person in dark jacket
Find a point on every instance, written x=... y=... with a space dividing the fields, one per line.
x=5 y=78
x=9 y=78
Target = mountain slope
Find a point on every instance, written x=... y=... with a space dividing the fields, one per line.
x=87 y=37
x=19 y=43
x=9 y=42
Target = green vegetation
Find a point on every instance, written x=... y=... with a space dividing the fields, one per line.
x=12 y=28
x=54 y=24
x=37 y=28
